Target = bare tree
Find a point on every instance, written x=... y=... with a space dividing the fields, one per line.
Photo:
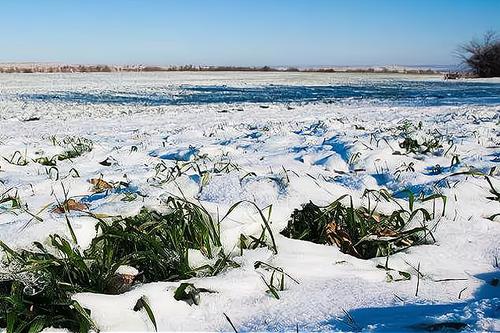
x=483 y=56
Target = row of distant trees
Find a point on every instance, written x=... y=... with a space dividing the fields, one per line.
x=192 y=68
x=482 y=56
x=56 y=69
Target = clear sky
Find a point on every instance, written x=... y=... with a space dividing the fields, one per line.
x=242 y=32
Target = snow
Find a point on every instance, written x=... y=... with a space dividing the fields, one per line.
x=127 y=270
x=298 y=152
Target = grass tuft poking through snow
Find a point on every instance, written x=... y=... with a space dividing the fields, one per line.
x=38 y=284
x=361 y=231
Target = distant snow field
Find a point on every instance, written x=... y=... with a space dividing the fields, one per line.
x=279 y=140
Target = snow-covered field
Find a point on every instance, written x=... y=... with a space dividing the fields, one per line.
x=288 y=139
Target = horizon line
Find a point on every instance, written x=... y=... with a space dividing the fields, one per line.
x=303 y=66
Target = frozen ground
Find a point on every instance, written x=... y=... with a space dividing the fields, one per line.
x=301 y=137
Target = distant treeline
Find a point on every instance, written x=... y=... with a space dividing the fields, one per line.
x=25 y=68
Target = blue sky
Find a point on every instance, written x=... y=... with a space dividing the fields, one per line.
x=242 y=32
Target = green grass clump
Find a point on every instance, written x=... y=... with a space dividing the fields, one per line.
x=201 y=165
x=38 y=285
x=39 y=282
x=9 y=202
x=21 y=312
x=427 y=146
x=414 y=142
x=75 y=147
x=36 y=291
x=157 y=244
x=358 y=231
x=276 y=281
x=44 y=160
